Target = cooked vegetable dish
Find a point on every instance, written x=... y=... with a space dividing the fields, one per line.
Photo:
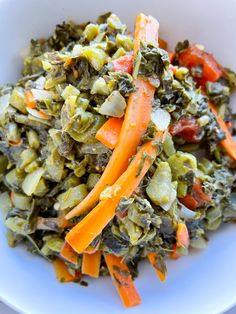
x=114 y=149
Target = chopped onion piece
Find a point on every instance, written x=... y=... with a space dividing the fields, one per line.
x=42 y=94
x=185 y=212
x=31 y=181
x=38 y=114
x=77 y=49
x=161 y=118
x=114 y=105
x=39 y=83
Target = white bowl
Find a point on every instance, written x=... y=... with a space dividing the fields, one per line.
x=201 y=283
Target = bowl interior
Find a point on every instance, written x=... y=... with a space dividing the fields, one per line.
x=27 y=282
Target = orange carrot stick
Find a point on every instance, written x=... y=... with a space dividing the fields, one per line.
x=109 y=132
x=62 y=222
x=135 y=123
x=228 y=143
x=92 y=249
x=182 y=236
x=80 y=236
x=229 y=124
x=38 y=113
x=91 y=264
x=162 y=43
x=123 y=281
x=182 y=240
x=62 y=272
x=140 y=31
x=146 y=30
x=153 y=258
x=68 y=253
x=171 y=56
x=175 y=254
x=29 y=99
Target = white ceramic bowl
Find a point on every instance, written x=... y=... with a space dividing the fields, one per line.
x=201 y=283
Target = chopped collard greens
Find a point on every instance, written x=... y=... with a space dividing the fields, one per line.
x=113 y=150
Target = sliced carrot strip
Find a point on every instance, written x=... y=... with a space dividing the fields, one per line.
x=109 y=132
x=171 y=56
x=175 y=254
x=40 y=114
x=140 y=30
x=68 y=253
x=92 y=249
x=30 y=100
x=173 y=68
x=122 y=280
x=92 y=225
x=62 y=272
x=91 y=264
x=153 y=257
x=62 y=221
x=229 y=124
x=152 y=31
x=182 y=240
x=135 y=123
x=182 y=235
x=228 y=143
x=162 y=43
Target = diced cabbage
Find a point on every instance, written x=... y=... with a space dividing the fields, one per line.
x=5 y=203
x=100 y=87
x=114 y=105
x=42 y=95
x=31 y=181
x=124 y=41
x=27 y=156
x=21 y=201
x=168 y=146
x=181 y=163
x=17 y=99
x=72 y=196
x=13 y=133
x=160 y=189
x=4 y=104
x=114 y=22
x=96 y=57
x=91 y=31
x=33 y=139
x=14 y=178
x=70 y=90
x=93 y=178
